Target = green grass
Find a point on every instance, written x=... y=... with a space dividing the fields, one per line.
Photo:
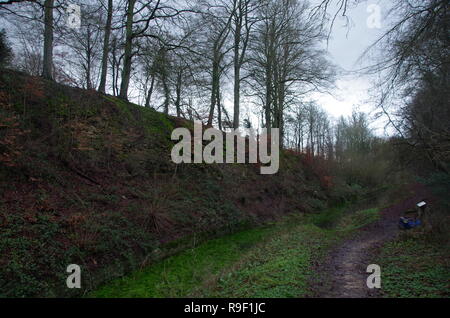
x=272 y=261
x=328 y=217
x=152 y=121
x=280 y=267
x=336 y=218
x=412 y=267
x=358 y=219
x=178 y=275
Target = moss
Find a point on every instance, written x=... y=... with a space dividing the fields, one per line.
x=153 y=123
x=122 y=106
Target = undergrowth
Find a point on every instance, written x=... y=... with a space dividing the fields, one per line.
x=413 y=267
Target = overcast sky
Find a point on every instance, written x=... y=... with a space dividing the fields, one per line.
x=345 y=47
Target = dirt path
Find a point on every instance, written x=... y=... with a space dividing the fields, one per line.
x=345 y=267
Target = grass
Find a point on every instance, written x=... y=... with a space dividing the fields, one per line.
x=280 y=267
x=412 y=267
x=358 y=219
x=178 y=275
x=336 y=218
x=327 y=218
x=272 y=261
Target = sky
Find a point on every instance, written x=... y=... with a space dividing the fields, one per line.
x=345 y=47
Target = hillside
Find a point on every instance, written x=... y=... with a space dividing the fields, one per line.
x=347 y=197
x=87 y=179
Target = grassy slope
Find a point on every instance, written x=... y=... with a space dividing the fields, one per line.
x=273 y=261
x=87 y=179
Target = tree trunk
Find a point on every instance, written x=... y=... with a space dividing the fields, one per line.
x=268 y=103
x=150 y=92
x=116 y=67
x=102 y=86
x=48 y=40
x=214 y=84
x=178 y=93
x=114 y=78
x=237 y=72
x=166 y=93
x=281 y=97
x=88 y=58
x=128 y=53
x=219 y=108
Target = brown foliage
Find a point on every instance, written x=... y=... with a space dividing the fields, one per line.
x=10 y=132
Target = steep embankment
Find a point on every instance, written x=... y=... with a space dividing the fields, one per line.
x=87 y=179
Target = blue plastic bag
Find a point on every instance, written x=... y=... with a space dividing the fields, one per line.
x=408 y=223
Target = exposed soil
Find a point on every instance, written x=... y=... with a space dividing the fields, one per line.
x=343 y=273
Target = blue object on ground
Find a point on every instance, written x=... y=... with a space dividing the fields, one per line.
x=408 y=223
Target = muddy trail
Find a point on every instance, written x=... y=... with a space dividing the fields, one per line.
x=343 y=272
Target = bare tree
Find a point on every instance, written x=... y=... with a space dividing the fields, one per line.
x=106 y=44
x=242 y=24
x=47 y=64
x=25 y=11
x=414 y=69
x=83 y=46
x=218 y=17
x=285 y=60
x=140 y=15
